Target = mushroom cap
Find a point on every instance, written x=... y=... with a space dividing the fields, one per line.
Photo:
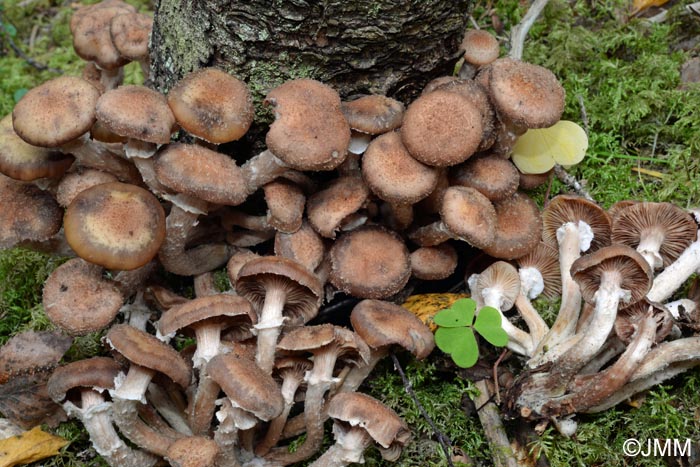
x=305 y=246
x=96 y=373
x=382 y=324
x=81 y=179
x=26 y=213
x=503 y=277
x=136 y=112
x=90 y=27
x=145 y=350
x=197 y=171
x=130 y=33
x=78 y=299
x=432 y=263
x=383 y=424
x=532 y=181
x=304 y=291
x=629 y=318
x=327 y=208
x=55 y=112
x=373 y=114
x=115 y=225
x=627 y=266
x=285 y=205
x=524 y=94
x=469 y=215
x=442 y=128
x=237 y=261
x=212 y=105
x=192 y=451
x=23 y=161
x=545 y=259
x=222 y=310
x=569 y=208
x=495 y=177
x=518 y=227
x=247 y=385
x=310 y=131
x=370 y=262
x=674 y=228
x=480 y=47
x=392 y=174
x=350 y=347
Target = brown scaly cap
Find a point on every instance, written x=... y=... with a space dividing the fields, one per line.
x=95 y=372
x=518 y=227
x=212 y=105
x=26 y=213
x=627 y=266
x=310 y=131
x=349 y=346
x=247 y=385
x=91 y=33
x=304 y=246
x=78 y=299
x=569 y=208
x=370 y=262
x=442 y=128
x=22 y=161
x=382 y=324
x=193 y=451
x=201 y=172
x=480 y=47
x=285 y=205
x=136 y=112
x=495 y=177
x=327 y=208
x=432 y=263
x=392 y=174
x=222 y=309
x=469 y=215
x=672 y=227
x=532 y=181
x=373 y=114
x=55 y=112
x=528 y=95
x=115 y=225
x=130 y=33
x=304 y=291
x=145 y=350
x=81 y=179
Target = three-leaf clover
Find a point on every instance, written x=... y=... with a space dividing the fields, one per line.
x=456 y=326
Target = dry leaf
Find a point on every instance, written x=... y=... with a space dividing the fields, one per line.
x=640 y=5
x=425 y=306
x=31 y=352
x=25 y=400
x=30 y=446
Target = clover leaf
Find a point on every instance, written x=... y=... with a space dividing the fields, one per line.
x=456 y=326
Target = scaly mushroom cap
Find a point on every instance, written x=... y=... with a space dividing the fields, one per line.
x=212 y=105
x=528 y=95
x=381 y=324
x=469 y=215
x=81 y=179
x=545 y=259
x=96 y=373
x=672 y=227
x=22 y=161
x=433 y=263
x=392 y=174
x=495 y=177
x=327 y=208
x=350 y=347
x=373 y=114
x=310 y=131
x=202 y=173
x=629 y=267
x=26 y=213
x=629 y=318
x=225 y=310
x=569 y=208
x=55 y=112
x=192 y=451
x=145 y=350
x=136 y=112
x=115 y=225
x=91 y=32
x=285 y=205
x=480 y=47
x=518 y=227
x=305 y=246
x=130 y=33
x=304 y=291
x=247 y=385
x=78 y=299
x=442 y=128
x=370 y=262
x=383 y=424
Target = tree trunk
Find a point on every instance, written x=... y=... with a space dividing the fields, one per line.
x=391 y=47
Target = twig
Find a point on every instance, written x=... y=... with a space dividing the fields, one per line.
x=584 y=115
x=15 y=48
x=441 y=437
x=519 y=32
x=495 y=432
x=567 y=179
x=497 y=390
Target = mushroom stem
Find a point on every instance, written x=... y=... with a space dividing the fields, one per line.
x=90 y=153
x=269 y=327
x=359 y=373
x=274 y=431
x=226 y=436
x=673 y=276
x=126 y=416
x=203 y=403
x=135 y=384
x=649 y=246
x=348 y=448
x=262 y=169
x=208 y=338
x=167 y=409
x=518 y=340
x=538 y=328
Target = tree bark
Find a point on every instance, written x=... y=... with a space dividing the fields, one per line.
x=391 y=47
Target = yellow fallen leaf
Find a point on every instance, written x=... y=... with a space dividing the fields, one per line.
x=539 y=149
x=425 y=306
x=30 y=446
x=651 y=173
x=639 y=5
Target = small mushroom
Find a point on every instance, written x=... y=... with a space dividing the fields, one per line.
x=495 y=177
x=432 y=263
x=329 y=207
x=518 y=227
x=130 y=33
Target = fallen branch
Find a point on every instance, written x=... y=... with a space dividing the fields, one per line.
x=501 y=451
x=519 y=32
